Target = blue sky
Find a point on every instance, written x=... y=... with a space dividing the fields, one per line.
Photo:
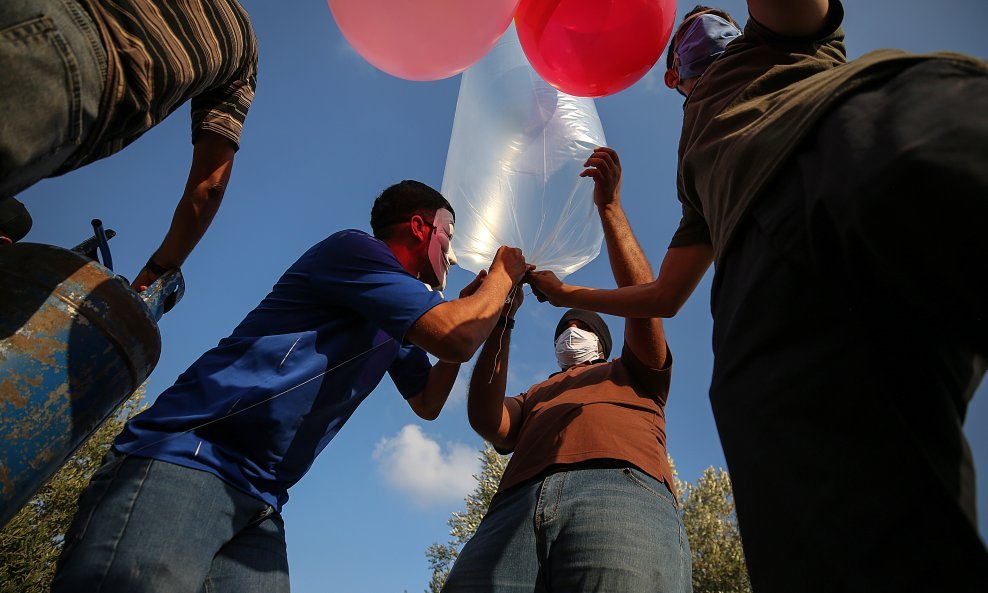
x=325 y=134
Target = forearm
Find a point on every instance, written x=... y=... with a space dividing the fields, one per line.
x=681 y=271
x=488 y=382
x=454 y=330
x=430 y=402
x=192 y=217
x=212 y=164
x=643 y=300
x=644 y=336
x=628 y=262
x=476 y=314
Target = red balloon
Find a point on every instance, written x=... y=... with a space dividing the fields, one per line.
x=592 y=48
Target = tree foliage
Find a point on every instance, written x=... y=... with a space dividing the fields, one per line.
x=32 y=540
x=707 y=510
x=462 y=525
x=712 y=529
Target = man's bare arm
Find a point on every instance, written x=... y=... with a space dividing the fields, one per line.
x=212 y=163
x=453 y=331
x=628 y=262
x=681 y=271
x=793 y=18
x=494 y=417
x=431 y=400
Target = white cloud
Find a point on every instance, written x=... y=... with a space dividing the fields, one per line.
x=415 y=464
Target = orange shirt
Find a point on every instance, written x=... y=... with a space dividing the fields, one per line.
x=612 y=410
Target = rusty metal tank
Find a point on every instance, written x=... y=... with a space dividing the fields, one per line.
x=75 y=342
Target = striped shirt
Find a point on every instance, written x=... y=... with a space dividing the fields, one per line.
x=162 y=53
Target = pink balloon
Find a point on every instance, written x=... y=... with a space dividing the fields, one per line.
x=592 y=48
x=422 y=39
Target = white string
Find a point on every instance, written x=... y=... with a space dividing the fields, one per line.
x=507 y=303
x=263 y=401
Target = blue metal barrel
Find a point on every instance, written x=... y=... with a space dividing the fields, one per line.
x=75 y=342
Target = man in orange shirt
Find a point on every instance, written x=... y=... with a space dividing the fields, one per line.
x=586 y=502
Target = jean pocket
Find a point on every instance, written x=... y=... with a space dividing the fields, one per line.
x=651 y=485
x=41 y=95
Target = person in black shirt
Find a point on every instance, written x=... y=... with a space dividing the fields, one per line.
x=845 y=206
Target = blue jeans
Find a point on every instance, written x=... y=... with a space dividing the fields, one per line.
x=150 y=526
x=52 y=72
x=613 y=530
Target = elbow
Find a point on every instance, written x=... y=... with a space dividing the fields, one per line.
x=456 y=353
x=667 y=310
x=425 y=407
x=206 y=199
x=429 y=414
x=481 y=421
x=483 y=427
x=666 y=303
x=215 y=191
x=658 y=309
x=458 y=347
x=212 y=194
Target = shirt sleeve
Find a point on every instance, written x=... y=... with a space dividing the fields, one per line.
x=410 y=370
x=651 y=382
x=692 y=229
x=354 y=270
x=222 y=110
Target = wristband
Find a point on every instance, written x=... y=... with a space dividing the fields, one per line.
x=155 y=268
x=506 y=322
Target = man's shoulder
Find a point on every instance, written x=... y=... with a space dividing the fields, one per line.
x=345 y=252
x=352 y=254
x=354 y=243
x=351 y=236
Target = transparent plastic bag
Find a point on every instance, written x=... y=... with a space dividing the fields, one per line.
x=512 y=172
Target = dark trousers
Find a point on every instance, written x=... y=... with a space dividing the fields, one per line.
x=850 y=331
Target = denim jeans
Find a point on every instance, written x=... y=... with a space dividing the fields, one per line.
x=52 y=72
x=150 y=526
x=615 y=530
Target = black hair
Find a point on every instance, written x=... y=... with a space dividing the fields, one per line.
x=402 y=201
x=696 y=9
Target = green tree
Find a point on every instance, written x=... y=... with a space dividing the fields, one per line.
x=711 y=526
x=32 y=540
x=707 y=509
x=462 y=525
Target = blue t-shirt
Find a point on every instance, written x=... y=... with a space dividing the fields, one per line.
x=257 y=409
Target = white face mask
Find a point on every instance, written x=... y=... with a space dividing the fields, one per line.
x=441 y=255
x=575 y=346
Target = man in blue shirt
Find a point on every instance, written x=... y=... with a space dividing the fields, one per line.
x=192 y=489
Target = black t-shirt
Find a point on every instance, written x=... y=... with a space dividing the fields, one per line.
x=751 y=109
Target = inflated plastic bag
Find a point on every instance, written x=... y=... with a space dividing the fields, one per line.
x=512 y=172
